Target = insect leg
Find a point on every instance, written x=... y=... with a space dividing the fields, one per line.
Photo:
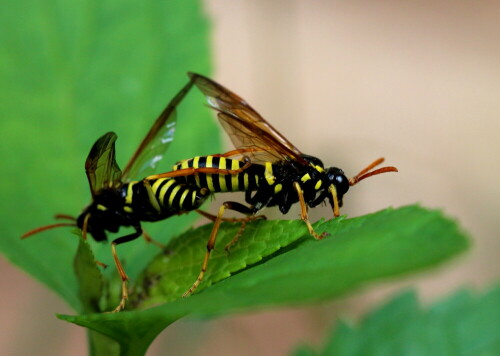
x=119 y=267
x=213 y=236
x=249 y=211
x=214 y=217
x=303 y=213
x=241 y=151
x=243 y=222
x=191 y=171
x=150 y=240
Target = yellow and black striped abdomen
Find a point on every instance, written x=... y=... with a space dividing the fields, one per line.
x=242 y=181
x=172 y=195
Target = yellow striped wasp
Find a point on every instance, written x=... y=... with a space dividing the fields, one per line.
x=279 y=173
x=118 y=200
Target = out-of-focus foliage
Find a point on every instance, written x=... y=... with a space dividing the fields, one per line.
x=69 y=72
x=300 y=269
x=461 y=325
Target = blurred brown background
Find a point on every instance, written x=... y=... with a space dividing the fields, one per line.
x=417 y=82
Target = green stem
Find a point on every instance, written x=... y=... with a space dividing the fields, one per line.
x=101 y=345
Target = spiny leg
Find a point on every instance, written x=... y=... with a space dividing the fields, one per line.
x=304 y=215
x=119 y=266
x=213 y=236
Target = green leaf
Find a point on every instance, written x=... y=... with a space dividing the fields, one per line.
x=90 y=279
x=92 y=293
x=359 y=250
x=173 y=272
x=461 y=325
x=69 y=72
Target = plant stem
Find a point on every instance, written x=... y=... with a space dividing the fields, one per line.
x=100 y=345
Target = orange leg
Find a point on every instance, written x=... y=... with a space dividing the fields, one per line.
x=213 y=236
x=241 y=151
x=191 y=171
x=123 y=277
x=150 y=240
x=304 y=215
x=119 y=267
x=243 y=222
x=242 y=229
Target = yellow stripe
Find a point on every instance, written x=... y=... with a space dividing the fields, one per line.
x=172 y=196
x=165 y=188
x=156 y=184
x=152 y=196
x=269 y=173
x=234 y=179
x=128 y=197
x=318 y=184
x=193 y=199
x=101 y=207
x=185 y=164
x=222 y=162
x=222 y=177
x=277 y=188
x=196 y=161
x=245 y=180
x=183 y=197
x=128 y=209
x=319 y=168
x=196 y=164
x=305 y=177
x=210 y=184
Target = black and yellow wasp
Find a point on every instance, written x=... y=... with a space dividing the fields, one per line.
x=279 y=174
x=118 y=201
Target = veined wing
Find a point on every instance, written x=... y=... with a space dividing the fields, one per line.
x=101 y=167
x=246 y=128
x=153 y=147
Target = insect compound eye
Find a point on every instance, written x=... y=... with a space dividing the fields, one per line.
x=336 y=177
x=342 y=184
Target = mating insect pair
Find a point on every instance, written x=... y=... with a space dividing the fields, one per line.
x=265 y=165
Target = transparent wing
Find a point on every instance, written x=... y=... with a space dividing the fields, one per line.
x=101 y=167
x=246 y=138
x=246 y=128
x=153 y=147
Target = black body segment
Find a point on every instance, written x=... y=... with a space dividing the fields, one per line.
x=118 y=201
x=218 y=183
x=279 y=175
